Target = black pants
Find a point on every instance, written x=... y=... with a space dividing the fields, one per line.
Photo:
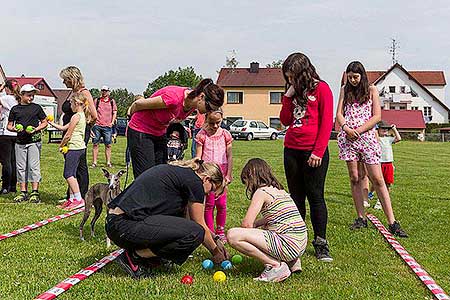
x=82 y=169
x=307 y=182
x=172 y=238
x=146 y=150
x=8 y=161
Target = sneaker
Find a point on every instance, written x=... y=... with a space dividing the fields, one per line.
x=75 y=204
x=23 y=196
x=396 y=230
x=109 y=165
x=94 y=165
x=34 y=197
x=370 y=195
x=358 y=224
x=322 y=251
x=378 y=205
x=130 y=266
x=221 y=233
x=366 y=204
x=4 y=191
x=271 y=274
x=295 y=265
x=65 y=204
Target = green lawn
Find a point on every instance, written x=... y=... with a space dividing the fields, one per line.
x=364 y=264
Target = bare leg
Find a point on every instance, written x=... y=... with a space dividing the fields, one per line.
x=94 y=153
x=23 y=186
x=362 y=174
x=251 y=242
x=378 y=184
x=108 y=154
x=356 y=187
x=145 y=253
x=73 y=184
x=35 y=186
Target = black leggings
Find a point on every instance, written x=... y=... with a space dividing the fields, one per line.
x=146 y=150
x=172 y=238
x=305 y=181
x=8 y=161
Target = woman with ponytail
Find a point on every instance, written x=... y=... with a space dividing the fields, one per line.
x=149 y=219
x=150 y=118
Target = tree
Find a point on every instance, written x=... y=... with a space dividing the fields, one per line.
x=275 y=64
x=95 y=92
x=123 y=99
x=181 y=77
x=231 y=60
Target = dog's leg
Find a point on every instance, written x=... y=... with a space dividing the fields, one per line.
x=98 y=205
x=87 y=212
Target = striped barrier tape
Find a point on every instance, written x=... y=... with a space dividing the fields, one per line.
x=429 y=282
x=69 y=282
x=40 y=224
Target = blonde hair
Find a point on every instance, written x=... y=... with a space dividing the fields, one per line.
x=210 y=169
x=82 y=100
x=73 y=75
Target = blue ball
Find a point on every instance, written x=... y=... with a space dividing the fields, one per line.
x=207 y=264
x=226 y=265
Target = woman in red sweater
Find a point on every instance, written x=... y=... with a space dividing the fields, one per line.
x=307 y=108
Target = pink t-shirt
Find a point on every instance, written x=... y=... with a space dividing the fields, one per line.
x=214 y=146
x=156 y=121
x=104 y=111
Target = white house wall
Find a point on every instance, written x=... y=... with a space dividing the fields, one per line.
x=398 y=78
x=438 y=91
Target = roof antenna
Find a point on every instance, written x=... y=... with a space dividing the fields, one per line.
x=393 y=50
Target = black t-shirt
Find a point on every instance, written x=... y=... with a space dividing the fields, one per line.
x=31 y=114
x=161 y=190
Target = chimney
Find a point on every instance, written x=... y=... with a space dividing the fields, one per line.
x=254 y=67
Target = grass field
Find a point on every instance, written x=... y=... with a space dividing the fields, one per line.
x=364 y=267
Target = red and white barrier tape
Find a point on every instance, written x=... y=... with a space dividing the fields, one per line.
x=437 y=291
x=40 y=224
x=76 y=278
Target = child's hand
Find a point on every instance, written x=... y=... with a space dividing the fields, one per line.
x=228 y=179
x=290 y=92
x=393 y=126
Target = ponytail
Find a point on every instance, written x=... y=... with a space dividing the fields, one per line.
x=214 y=93
x=14 y=87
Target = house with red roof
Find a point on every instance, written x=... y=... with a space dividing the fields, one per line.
x=45 y=97
x=412 y=90
x=252 y=93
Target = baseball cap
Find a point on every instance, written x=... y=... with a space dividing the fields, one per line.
x=28 y=88
x=105 y=88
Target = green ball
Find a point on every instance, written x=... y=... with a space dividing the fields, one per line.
x=19 y=126
x=236 y=259
x=29 y=128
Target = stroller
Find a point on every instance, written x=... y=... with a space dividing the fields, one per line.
x=177 y=141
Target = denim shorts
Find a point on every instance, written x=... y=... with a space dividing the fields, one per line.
x=102 y=132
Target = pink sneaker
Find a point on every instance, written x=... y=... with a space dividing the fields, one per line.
x=75 y=204
x=65 y=204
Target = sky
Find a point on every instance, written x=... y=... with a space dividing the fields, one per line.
x=127 y=44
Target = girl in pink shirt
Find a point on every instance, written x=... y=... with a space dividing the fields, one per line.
x=150 y=117
x=214 y=145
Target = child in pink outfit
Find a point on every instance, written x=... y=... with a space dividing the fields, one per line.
x=214 y=145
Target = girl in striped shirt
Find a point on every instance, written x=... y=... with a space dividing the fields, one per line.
x=279 y=238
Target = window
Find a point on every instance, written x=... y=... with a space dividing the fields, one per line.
x=275 y=97
x=414 y=93
x=231 y=120
x=239 y=123
x=235 y=97
x=403 y=89
x=40 y=86
x=275 y=123
x=391 y=89
x=253 y=124
x=262 y=125
x=414 y=108
x=427 y=111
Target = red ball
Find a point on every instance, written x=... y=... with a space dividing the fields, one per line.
x=187 y=279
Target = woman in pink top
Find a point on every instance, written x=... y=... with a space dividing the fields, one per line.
x=214 y=145
x=150 y=118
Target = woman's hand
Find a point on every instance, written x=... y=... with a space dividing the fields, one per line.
x=290 y=92
x=314 y=161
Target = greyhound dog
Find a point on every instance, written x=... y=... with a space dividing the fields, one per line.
x=98 y=195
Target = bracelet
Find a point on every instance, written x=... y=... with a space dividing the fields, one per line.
x=342 y=127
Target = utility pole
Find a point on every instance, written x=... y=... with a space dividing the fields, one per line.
x=393 y=50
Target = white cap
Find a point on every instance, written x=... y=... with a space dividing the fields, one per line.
x=105 y=88
x=28 y=88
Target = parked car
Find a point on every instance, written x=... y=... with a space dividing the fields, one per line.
x=252 y=129
x=121 y=125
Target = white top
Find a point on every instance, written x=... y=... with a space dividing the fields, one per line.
x=387 y=155
x=6 y=102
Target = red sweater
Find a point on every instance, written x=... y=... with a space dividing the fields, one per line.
x=309 y=129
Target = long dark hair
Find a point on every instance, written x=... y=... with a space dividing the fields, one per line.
x=304 y=75
x=214 y=94
x=256 y=174
x=359 y=93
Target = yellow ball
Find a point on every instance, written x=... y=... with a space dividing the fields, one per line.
x=219 y=276
x=64 y=149
x=50 y=118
